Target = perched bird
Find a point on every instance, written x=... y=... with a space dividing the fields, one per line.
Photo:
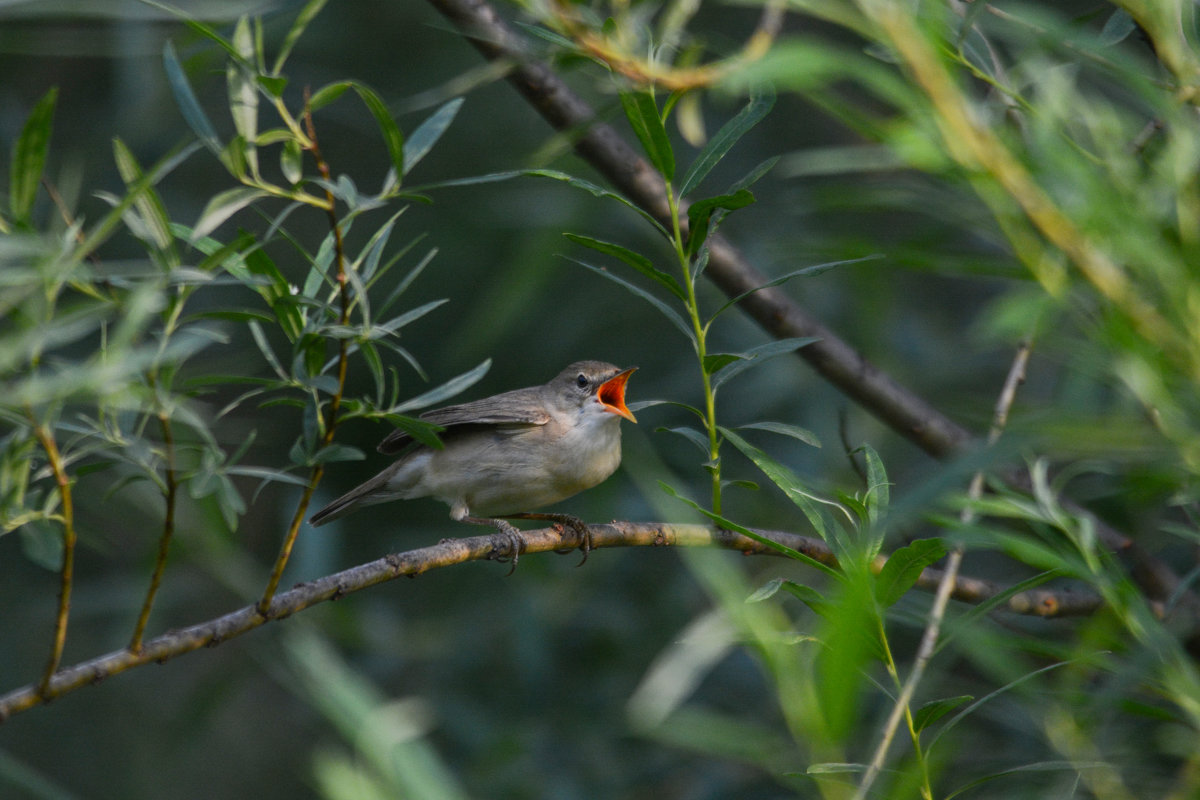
x=506 y=455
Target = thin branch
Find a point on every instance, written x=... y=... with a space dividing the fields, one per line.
x=1016 y=376
x=171 y=481
x=449 y=552
x=67 y=572
x=335 y=224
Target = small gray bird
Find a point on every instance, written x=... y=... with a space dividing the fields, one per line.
x=509 y=454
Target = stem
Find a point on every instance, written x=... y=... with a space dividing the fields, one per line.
x=67 y=573
x=164 y=542
x=1016 y=376
x=701 y=331
x=335 y=403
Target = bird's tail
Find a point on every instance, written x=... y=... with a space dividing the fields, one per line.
x=373 y=491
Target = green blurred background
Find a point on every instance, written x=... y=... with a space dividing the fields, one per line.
x=516 y=685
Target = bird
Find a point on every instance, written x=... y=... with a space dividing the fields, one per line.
x=504 y=456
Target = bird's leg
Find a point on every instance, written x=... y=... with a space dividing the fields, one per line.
x=575 y=523
x=515 y=543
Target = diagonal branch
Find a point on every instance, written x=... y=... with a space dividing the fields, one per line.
x=449 y=552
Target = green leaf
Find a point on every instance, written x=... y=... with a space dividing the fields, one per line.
x=29 y=158
x=148 y=203
x=446 y=390
x=327 y=94
x=815 y=269
x=759 y=106
x=264 y=347
x=306 y=15
x=291 y=161
x=809 y=596
x=934 y=710
x=700 y=215
x=243 y=92
x=422 y=140
x=878 y=498
x=767 y=590
x=643 y=116
x=668 y=312
x=392 y=136
x=960 y=716
x=783 y=477
x=794 y=431
x=1117 y=28
x=758 y=537
x=557 y=175
x=223 y=206
x=42 y=543
x=691 y=434
x=835 y=768
x=752 y=177
x=189 y=106
x=636 y=260
x=338 y=452
x=903 y=567
x=740 y=362
x=277 y=292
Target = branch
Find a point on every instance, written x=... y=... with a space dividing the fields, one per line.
x=449 y=552
x=45 y=438
x=903 y=705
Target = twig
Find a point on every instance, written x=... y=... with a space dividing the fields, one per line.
x=164 y=542
x=289 y=541
x=449 y=552
x=1016 y=376
x=67 y=572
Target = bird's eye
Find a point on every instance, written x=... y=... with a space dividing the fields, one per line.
x=581 y=381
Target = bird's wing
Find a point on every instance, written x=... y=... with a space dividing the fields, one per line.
x=518 y=407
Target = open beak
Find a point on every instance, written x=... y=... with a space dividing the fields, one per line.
x=612 y=394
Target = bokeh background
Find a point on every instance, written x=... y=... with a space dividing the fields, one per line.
x=508 y=686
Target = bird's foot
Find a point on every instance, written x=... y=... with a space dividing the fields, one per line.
x=565 y=520
x=513 y=543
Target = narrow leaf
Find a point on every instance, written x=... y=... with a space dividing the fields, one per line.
x=243 y=93
x=222 y=207
x=786 y=480
x=691 y=434
x=903 y=567
x=29 y=157
x=422 y=140
x=934 y=710
x=636 y=260
x=446 y=390
x=700 y=215
x=758 y=537
x=306 y=15
x=766 y=591
x=878 y=494
x=392 y=136
x=189 y=106
x=148 y=203
x=668 y=312
x=642 y=113
x=815 y=269
x=757 y=355
x=759 y=106
x=794 y=431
